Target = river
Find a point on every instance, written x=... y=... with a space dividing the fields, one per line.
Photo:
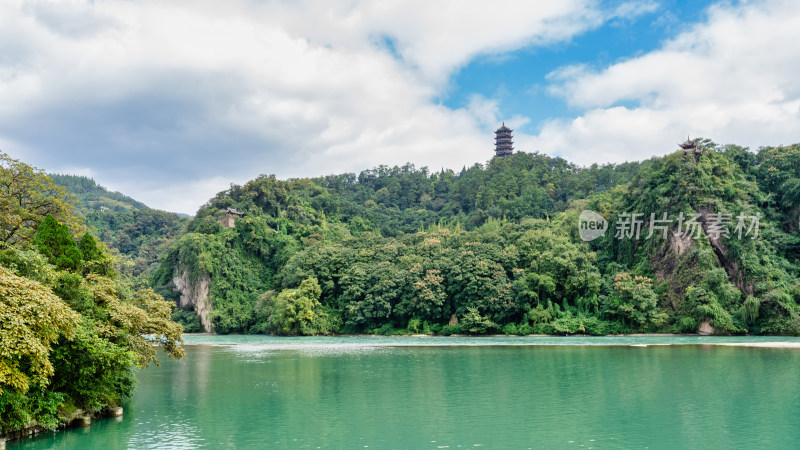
x=425 y=392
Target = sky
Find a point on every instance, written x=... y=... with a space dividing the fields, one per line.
x=173 y=101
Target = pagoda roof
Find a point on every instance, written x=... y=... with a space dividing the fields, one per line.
x=688 y=145
x=504 y=128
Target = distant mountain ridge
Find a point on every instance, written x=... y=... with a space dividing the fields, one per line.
x=135 y=230
x=94 y=196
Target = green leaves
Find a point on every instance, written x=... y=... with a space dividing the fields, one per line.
x=295 y=311
x=54 y=241
x=474 y=323
x=634 y=303
x=32 y=319
x=69 y=334
x=27 y=196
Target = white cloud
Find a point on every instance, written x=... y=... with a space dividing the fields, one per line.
x=173 y=196
x=732 y=79
x=170 y=101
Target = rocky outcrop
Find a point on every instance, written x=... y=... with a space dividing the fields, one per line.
x=194 y=294
x=729 y=264
x=672 y=264
x=705 y=328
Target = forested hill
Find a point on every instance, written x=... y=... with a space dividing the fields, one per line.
x=139 y=233
x=95 y=197
x=495 y=248
x=396 y=200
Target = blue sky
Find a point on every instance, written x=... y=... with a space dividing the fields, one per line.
x=171 y=102
x=518 y=79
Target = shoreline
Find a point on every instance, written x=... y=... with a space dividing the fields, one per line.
x=761 y=344
x=708 y=340
x=76 y=419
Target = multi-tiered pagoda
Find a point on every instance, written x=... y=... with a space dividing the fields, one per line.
x=504 y=145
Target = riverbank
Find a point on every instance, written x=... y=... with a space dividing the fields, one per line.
x=266 y=342
x=77 y=419
x=765 y=344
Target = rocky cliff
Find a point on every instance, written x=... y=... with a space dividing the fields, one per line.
x=194 y=295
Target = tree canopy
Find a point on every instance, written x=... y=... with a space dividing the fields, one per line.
x=27 y=196
x=395 y=249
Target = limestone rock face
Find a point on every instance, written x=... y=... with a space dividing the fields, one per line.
x=194 y=294
x=705 y=328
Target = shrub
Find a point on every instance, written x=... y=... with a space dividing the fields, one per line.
x=510 y=328
x=524 y=329
x=634 y=303
x=414 y=326
x=473 y=322
x=448 y=330
x=190 y=320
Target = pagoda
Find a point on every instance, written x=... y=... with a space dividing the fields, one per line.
x=690 y=145
x=504 y=145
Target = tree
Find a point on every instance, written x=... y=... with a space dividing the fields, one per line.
x=474 y=323
x=634 y=303
x=54 y=241
x=427 y=298
x=370 y=291
x=27 y=196
x=94 y=259
x=555 y=268
x=294 y=311
x=32 y=319
x=138 y=323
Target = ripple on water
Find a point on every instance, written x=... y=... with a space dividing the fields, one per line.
x=172 y=435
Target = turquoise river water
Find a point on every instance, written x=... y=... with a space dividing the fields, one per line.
x=425 y=392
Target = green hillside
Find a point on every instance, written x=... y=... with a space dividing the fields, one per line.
x=136 y=231
x=93 y=196
x=495 y=248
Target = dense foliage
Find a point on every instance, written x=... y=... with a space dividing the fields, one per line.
x=71 y=331
x=140 y=234
x=495 y=248
x=26 y=197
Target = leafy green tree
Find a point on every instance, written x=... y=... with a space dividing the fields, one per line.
x=474 y=323
x=54 y=241
x=369 y=294
x=136 y=323
x=69 y=338
x=634 y=303
x=93 y=372
x=427 y=299
x=555 y=268
x=478 y=279
x=94 y=259
x=27 y=196
x=32 y=319
x=294 y=311
x=700 y=306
